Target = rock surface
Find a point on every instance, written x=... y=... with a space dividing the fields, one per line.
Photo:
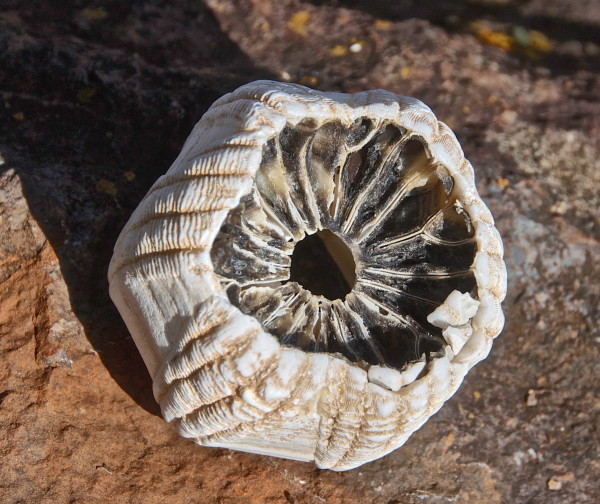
x=96 y=101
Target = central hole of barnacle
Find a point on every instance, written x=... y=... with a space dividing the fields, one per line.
x=323 y=264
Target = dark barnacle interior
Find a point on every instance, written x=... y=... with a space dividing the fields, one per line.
x=349 y=238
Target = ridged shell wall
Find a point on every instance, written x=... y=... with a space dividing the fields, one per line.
x=222 y=371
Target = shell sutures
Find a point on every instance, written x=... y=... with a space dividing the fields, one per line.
x=369 y=197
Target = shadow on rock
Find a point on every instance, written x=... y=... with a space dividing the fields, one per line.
x=90 y=124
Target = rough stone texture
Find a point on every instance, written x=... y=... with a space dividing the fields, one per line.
x=97 y=99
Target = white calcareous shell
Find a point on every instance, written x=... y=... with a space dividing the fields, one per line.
x=243 y=353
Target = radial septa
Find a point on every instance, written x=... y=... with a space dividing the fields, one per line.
x=288 y=311
x=253 y=218
x=409 y=173
x=379 y=189
x=414 y=212
x=262 y=250
x=397 y=337
x=275 y=192
x=353 y=338
x=326 y=154
x=295 y=144
x=365 y=175
x=369 y=349
x=419 y=250
x=337 y=334
x=248 y=259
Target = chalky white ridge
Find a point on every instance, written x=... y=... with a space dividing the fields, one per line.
x=218 y=374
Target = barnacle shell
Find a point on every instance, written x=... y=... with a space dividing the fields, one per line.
x=245 y=358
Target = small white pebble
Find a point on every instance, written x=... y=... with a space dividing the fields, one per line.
x=385 y=377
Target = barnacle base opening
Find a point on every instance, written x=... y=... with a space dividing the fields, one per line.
x=323 y=264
